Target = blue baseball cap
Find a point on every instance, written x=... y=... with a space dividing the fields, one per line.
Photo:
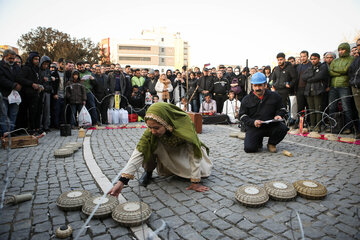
x=258 y=78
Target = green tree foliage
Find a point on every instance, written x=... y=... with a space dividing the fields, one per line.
x=56 y=44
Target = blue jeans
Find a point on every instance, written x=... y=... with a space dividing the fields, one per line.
x=91 y=107
x=75 y=108
x=8 y=111
x=194 y=105
x=345 y=101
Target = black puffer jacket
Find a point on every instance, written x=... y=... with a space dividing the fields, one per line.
x=206 y=83
x=316 y=79
x=284 y=75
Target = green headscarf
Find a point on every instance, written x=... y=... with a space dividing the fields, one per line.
x=175 y=121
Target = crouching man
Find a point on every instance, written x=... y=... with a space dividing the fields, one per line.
x=257 y=108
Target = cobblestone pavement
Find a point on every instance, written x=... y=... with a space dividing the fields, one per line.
x=190 y=215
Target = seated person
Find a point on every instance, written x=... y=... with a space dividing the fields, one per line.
x=231 y=108
x=155 y=98
x=171 y=145
x=208 y=106
x=259 y=106
x=182 y=104
x=136 y=98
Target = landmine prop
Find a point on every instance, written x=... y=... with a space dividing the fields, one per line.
x=280 y=190
x=314 y=135
x=63 y=232
x=331 y=137
x=345 y=139
x=241 y=135
x=77 y=144
x=72 y=200
x=251 y=195
x=14 y=199
x=63 y=152
x=234 y=134
x=107 y=205
x=310 y=189
x=287 y=153
x=297 y=131
x=130 y=214
x=69 y=147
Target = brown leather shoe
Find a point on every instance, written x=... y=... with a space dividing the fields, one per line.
x=271 y=148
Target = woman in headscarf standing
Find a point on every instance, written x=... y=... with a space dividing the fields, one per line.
x=171 y=145
x=163 y=88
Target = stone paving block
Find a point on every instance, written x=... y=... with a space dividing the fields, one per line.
x=4 y=228
x=41 y=236
x=236 y=233
x=165 y=212
x=21 y=225
x=198 y=209
x=103 y=237
x=220 y=224
x=234 y=218
x=245 y=225
x=346 y=229
x=118 y=232
x=207 y=216
x=260 y=233
x=211 y=234
x=174 y=221
x=274 y=226
x=200 y=225
x=22 y=234
x=187 y=232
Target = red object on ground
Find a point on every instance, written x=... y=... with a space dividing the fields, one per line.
x=133 y=117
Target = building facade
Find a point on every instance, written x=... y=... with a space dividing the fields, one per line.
x=154 y=49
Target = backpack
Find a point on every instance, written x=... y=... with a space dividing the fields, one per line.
x=236 y=89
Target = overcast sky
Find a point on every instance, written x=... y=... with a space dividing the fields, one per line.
x=219 y=32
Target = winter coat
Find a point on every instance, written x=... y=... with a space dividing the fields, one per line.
x=206 y=83
x=221 y=86
x=315 y=78
x=179 y=90
x=339 y=68
x=192 y=86
x=100 y=86
x=253 y=108
x=149 y=85
x=282 y=76
x=45 y=73
x=8 y=78
x=354 y=73
x=30 y=75
x=75 y=92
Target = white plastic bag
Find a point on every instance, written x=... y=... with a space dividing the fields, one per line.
x=84 y=117
x=294 y=108
x=14 y=97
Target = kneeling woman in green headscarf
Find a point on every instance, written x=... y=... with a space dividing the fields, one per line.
x=171 y=145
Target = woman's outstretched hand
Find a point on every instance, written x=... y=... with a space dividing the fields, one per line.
x=116 y=189
x=197 y=187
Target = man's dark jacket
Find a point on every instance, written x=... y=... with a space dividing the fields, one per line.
x=354 y=73
x=316 y=78
x=253 y=108
x=206 y=83
x=8 y=78
x=284 y=75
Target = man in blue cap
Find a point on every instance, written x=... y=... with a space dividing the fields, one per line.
x=257 y=108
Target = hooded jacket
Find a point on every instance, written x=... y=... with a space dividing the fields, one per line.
x=282 y=76
x=30 y=75
x=45 y=73
x=339 y=68
x=75 y=92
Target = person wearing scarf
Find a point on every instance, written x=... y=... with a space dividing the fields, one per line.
x=171 y=145
x=163 y=88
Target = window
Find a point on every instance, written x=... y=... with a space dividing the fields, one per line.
x=162 y=39
x=162 y=49
x=134 y=48
x=143 y=59
x=162 y=60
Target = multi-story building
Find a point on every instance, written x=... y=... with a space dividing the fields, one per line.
x=154 y=49
x=4 y=47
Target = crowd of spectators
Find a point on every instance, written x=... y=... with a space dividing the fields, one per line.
x=53 y=93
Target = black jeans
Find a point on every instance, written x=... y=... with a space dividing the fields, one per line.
x=220 y=99
x=254 y=136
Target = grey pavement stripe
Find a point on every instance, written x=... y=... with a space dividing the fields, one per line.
x=105 y=185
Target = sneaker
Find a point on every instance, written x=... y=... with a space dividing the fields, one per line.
x=271 y=148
